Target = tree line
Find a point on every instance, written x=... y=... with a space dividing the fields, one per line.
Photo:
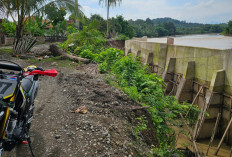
x=168 y=27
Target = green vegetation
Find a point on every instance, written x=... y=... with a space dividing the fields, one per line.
x=57 y=60
x=8 y=27
x=140 y=127
x=228 y=30
x=35 y=26
x=138 y=83
x=6 y=51
x=167 y=27
x=109 y=3
x=87 y=39
x=147 y=89
x=118 y=28
x=57 y=17
x=20 y=10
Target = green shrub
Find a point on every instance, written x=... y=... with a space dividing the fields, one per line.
x=122 y=37
x=87 y=54
x=103 y=67
x=36 y=27
x=147 y=88
x=88 y=37
x=9 y=28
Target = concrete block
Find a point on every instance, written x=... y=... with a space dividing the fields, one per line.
x=216 y=99
x=150 y=59
x=138 y=54
x=180 y=88
x=206 y=130
x=175 y=77
x=227 y=101
x=186 y=96
x=188 y=85
x=171 y=65
x=9 y=40
x=226 y=115
x=218 y=81
x=170 y=41
x=190 y=70
x=213 y=112
x=168 y=87
x=195 y=87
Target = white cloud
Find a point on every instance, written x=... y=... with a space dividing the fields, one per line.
x=88 y=11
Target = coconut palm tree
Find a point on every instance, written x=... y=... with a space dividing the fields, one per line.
x=18 y=10
x=109 y=3
x=78 y=14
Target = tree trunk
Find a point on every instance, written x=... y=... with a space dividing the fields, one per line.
x=108 y=9
x=77 y=22
x=18 y=36
x=59 y=52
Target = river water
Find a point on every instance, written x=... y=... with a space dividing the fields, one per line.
x=214 y=41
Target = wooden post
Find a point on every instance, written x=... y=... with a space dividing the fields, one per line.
x=214 y=132
x=219 y=145
x=191 y=139
x=202 y=118
x=197 y=95
x=194 y=100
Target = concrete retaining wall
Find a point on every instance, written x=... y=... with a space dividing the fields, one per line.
x=192 y=73
x=9 y=41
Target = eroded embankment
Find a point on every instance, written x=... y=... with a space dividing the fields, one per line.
x=105 y=130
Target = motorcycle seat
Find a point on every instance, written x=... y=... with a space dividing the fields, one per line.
x=27 y=83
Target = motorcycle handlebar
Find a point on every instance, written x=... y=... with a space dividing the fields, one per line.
x=52 y=73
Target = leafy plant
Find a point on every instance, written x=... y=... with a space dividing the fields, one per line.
x=88 y=37
x=87 y=54
x=109 y=56
x=122 y=37
x=146 y=88
x=36 y=26
x=71 y=30
x=9 y=28
x=140 y=127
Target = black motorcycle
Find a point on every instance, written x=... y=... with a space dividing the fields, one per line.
x=18 y=89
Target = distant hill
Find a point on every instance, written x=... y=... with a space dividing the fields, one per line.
x=178 y=23
x=167 y=27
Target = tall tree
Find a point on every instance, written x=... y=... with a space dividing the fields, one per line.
x=109 y=3
x=20 y=9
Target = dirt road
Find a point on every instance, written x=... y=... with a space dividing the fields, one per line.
x=105 y=130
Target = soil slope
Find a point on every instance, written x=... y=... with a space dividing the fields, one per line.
x=105 y=130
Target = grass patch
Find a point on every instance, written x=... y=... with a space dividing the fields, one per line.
x=6 y=51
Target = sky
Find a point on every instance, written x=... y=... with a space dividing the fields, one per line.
x=200 y=11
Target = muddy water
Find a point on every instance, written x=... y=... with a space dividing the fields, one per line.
x=214 y=41
x=183 y=142
x=223 y=152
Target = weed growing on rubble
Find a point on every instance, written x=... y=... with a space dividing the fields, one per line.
x=141 y=126
x=147 y=89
